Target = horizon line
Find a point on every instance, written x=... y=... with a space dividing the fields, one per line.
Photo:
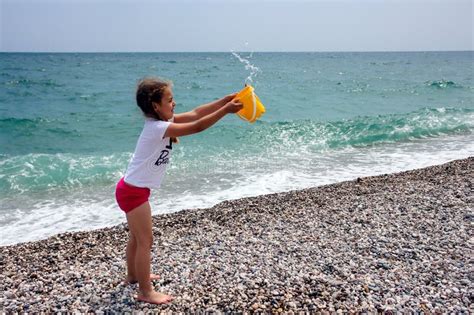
x=230 y=51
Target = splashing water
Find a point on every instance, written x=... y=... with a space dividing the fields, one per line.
x=248 y=66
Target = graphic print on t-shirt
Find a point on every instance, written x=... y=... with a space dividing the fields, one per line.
x=160 y=159
x=163 y=158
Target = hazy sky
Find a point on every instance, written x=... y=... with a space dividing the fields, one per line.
x=185 y=25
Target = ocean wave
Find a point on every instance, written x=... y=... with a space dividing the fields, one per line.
x=364 y=130
x=264 y=142
x=30 y=82
x=15 y=69
x=21 y=121
x=443 y=84
x=195 y=86
x=284 y=142
x=422 y=123
x=282 y=139
x=15 y=127
x=10 y=124
x=44 y=172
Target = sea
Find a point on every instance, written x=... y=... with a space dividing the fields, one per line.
x=69 y=124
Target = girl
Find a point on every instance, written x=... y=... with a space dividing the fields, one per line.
x=147 y=169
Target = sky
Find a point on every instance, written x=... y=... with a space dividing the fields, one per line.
x=211 y=25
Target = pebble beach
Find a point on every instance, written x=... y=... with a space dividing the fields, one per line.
x=387 y=243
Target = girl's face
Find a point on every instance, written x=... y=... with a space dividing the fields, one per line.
x=166 y=107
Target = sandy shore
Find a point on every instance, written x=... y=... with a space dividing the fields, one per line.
x=392 y=242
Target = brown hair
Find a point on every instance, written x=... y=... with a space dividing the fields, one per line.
x=149 y=90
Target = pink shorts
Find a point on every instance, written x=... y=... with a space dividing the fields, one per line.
x=129 y=197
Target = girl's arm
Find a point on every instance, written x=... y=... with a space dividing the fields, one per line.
x=203 y=110
x=184 y=129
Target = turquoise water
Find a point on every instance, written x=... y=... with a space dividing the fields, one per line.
x=69 y=124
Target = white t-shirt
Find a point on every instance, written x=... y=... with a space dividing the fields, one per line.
x=151 y=157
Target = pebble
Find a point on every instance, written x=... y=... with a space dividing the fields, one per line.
x=396 y=243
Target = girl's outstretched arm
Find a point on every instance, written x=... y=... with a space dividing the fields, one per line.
x=184 y=129
x=203 y=110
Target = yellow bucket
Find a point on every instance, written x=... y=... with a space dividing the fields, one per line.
x=253 y=107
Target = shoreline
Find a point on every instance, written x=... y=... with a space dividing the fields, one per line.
x=389 y=242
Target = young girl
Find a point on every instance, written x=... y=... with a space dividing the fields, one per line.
x=147 y=169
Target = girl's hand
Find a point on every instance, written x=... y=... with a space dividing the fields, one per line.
x=229 y=98
x=233 y=107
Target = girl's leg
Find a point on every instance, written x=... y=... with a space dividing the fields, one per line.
x=140 y=225
x=131 y=254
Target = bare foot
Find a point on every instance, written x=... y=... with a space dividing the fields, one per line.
x=154 y=298
x=130 y=280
